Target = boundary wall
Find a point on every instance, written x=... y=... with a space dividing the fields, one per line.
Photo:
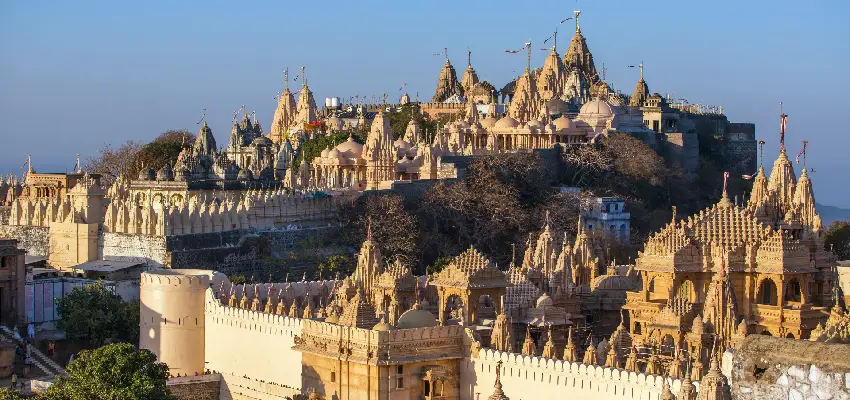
x=525 y=377
x=252 y=351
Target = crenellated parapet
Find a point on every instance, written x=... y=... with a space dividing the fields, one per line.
x=552 y=378
x=251 y=210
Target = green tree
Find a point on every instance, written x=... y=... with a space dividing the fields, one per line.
x=338 y=263
x=837 y=239
x=113 y=372
x=161 y=151
x=10 y=394
x=95 y=314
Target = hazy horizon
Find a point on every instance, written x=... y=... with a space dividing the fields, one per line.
x=77 y=76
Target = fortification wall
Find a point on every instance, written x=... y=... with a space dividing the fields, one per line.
x=255 y=346
x=765 y=367
x=150 y=249
x=34 y=239
x=541 y=378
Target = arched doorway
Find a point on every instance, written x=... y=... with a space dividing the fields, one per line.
x=767 y=293
x=793 y=291
x=455 y=310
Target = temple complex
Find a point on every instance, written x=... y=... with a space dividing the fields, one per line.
x=733 y=270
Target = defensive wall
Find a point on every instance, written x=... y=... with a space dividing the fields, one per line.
x=526 y=377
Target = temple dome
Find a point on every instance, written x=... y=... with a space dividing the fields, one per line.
x=545 y=301
x=326 y=152
x=416 y=319
x=351 y=148
x=612 y=282
x=598 y=108
x=334 y=154
x=563 y=123
x=488 y=122
x=382 y=326
x=507 y=122
x=536 y=124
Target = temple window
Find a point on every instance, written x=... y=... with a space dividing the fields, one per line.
x=333 y=376
x=794 y=291
x=767 y=293
x=399 y=383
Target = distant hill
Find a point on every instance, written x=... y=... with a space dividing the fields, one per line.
x=828 y=214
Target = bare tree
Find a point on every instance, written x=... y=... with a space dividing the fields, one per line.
x=113 y=162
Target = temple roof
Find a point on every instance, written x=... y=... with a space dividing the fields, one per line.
x=359 y=313
x=471 y=270
x=447 y=85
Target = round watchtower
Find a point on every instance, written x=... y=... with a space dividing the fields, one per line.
x=172 y=317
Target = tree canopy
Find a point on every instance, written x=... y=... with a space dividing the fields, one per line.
x=95 y=314
x=128 y=159
x=113 y=372
x=837 y=239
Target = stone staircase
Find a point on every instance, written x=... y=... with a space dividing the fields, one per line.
x=39 y=359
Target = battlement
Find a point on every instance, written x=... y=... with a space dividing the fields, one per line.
x=522 y=374
x=253 y=210
x=195 y=279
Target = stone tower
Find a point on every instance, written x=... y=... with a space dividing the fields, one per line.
x=171 y=319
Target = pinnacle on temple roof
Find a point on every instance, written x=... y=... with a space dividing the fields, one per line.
x=498 y=394
x=578 y=56
x=284 y=115
x=470 y=78
x=447 y=84
x=528 y=346
x=205 y=142
x=641 y=92
x=570 y=352
x=687 y=390
x=590 y=354
x=714 y=385
x=666 y=393
x=549 y=349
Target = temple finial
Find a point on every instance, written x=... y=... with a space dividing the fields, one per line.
x=528 y=61
x=578 y=29
x=782 y=121
x=468 y=57
x=303 y=77
x=286 y=79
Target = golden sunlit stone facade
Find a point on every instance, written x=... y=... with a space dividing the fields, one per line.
x=733 y=270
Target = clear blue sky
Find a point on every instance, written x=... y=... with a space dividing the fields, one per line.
x=77 y=75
